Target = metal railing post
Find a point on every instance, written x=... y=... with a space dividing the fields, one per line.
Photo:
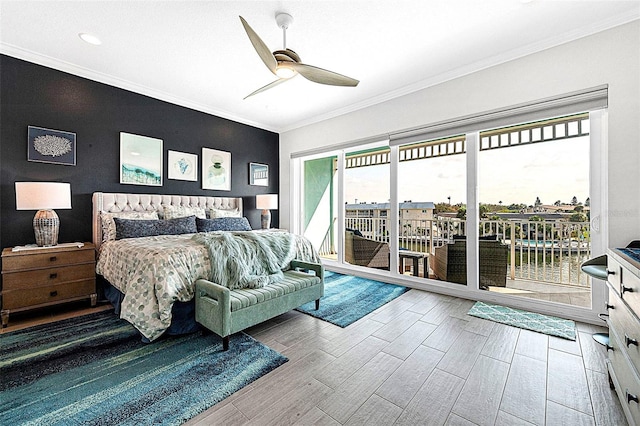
x=512 y=263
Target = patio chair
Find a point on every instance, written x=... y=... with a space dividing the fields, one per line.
x=362 y=251
x=451 y=262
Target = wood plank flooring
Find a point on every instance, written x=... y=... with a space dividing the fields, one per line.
x=421 y=360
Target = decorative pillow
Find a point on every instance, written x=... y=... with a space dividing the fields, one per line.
x=223 y=224
x=217 y=213
x=172 y=212
x=109 y=226
x=126 y=228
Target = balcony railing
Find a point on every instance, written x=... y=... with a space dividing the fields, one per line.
x=549 y=252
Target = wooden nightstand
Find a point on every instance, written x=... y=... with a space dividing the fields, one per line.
x=35 y=278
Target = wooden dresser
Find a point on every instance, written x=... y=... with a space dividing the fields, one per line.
x=36 y=278
x=624 y=331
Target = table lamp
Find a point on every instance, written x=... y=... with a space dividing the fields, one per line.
x=44 y=197
x=266 y=202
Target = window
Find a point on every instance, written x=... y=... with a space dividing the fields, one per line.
x=484 y=172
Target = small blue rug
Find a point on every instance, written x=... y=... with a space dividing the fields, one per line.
x=347 y=298
x=552 y=326
x=95 y=370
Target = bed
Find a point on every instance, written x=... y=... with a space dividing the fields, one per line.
x=150 y=279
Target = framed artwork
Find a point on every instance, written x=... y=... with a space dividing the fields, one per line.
x=182 y=166
x=140 y=160
x=51 y=146
x=216 y=169
x=258 y=174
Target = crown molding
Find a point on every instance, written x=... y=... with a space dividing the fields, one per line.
x=472 y=68
x=511 y=55
x=57 y=64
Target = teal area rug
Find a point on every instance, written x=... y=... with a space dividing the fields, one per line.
x=528 y=320
x=95 y=370
x=347 y=298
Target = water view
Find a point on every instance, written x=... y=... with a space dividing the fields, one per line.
x=531 y=185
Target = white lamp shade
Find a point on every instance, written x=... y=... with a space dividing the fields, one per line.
x=43 y=195
x=267 y=201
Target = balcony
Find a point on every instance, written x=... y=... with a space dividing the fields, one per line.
x=543 y=260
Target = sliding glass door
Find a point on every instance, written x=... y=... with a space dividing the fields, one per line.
x=367 y=207
x=318 y=207
x=507 y=210
x=533 y=182
x=432 y=209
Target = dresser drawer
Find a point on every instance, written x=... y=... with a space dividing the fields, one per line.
x=630 y=290
x=47 y=294
x=46 y=260
x=627 y=379
x=614 y=268
x=26 y=280
x=626 y=326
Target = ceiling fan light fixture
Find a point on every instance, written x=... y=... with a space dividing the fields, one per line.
x=285 y=63
x=285 y=72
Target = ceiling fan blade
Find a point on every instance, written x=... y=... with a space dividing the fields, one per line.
x=268 y=86
x=262 y=49
x=322 y=76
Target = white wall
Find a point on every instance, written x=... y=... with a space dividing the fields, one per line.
x=611 y=57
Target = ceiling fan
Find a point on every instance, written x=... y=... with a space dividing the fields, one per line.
x=286 y=63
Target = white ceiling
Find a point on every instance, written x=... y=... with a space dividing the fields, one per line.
x=197 y=54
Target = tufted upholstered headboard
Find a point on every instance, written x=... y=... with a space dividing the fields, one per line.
x=114 y=202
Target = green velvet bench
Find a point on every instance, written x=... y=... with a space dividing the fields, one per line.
x=226 y=312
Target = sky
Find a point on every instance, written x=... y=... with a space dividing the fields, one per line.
x=556 y=170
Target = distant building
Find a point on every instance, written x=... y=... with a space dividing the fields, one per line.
x=375 y=215
x=408 y=210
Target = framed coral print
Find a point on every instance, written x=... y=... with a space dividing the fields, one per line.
x=182 y=166
x=140 y=160
x=258 y=174
x=51 y=146
x=216 y=169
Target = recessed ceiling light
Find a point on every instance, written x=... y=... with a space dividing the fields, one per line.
x=90 y=38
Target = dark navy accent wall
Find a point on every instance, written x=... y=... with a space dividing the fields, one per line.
x=33 y=95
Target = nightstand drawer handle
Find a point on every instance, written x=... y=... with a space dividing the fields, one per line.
x=631 y=397
x=626 y=289
x=53 y=276
x=629 y=341
x=53 y=259
x=609 y=348
x=54 y=293
x=608 y=306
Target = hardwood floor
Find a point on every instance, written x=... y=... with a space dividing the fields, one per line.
x=419 y=360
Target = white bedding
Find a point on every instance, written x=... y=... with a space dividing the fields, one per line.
x=154 y=272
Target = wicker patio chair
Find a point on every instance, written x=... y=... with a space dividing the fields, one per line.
x=451 y=262
x=362 y=251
